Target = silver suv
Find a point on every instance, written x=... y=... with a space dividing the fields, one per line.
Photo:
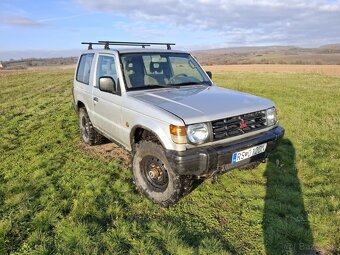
x=165 y=109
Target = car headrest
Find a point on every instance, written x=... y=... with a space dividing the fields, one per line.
x=156 y=67
x=129 y=66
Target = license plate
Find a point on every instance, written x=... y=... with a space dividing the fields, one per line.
x=241 y=155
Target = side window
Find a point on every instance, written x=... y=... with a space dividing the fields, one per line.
x=106 y=67
x=84 y=68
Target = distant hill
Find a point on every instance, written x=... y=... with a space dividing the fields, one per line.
x=38 y=62
x=25 y=54
x=335 y=46
x=326 y=54
x=37 y=58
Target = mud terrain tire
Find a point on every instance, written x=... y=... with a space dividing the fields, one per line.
x=154 y=177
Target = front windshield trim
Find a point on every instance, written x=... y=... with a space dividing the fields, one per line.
x=206 y=80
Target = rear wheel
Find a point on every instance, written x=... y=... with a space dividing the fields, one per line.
x=154 y=177
x=88 y=133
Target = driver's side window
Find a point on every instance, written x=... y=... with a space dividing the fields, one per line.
x=106 y=67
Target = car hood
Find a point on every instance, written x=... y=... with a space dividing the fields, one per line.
x=196 y=104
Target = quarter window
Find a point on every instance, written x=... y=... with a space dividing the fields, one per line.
x=84 y=68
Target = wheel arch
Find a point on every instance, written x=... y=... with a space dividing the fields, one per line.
x=79 y=105
x=137 y=134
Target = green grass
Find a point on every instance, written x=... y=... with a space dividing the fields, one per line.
x=55 y=198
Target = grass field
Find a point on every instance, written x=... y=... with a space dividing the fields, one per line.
x=57 y=197
x=331 y=70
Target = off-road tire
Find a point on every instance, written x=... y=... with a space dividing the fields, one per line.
x=177 y=185
x=88 y=133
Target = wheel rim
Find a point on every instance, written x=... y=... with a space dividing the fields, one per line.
x=84 y=127
x=154 y=173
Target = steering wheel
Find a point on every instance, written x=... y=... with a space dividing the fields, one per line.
x=174 y=78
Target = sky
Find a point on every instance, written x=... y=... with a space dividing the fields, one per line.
x=192 y=24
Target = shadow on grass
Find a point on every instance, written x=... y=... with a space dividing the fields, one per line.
x=285 y=221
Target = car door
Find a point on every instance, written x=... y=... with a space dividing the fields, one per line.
x=107 y=106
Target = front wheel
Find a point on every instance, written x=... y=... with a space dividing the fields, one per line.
x=154 y=177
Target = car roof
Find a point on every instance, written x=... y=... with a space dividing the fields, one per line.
x=134 y=50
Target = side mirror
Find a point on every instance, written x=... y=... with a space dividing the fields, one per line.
x=107 y=84
x=209 y=74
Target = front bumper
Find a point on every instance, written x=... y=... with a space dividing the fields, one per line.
x=204 y=161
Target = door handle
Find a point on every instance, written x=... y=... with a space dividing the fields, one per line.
x=95 y=99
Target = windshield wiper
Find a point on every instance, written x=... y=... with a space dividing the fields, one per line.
x=146 y=87
x=192 y=83
x=176 y=85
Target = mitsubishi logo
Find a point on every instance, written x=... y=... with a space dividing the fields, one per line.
x=243 y=124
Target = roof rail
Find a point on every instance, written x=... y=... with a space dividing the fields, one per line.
x=108 y=43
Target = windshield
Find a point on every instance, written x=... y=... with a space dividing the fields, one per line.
x=157 y=70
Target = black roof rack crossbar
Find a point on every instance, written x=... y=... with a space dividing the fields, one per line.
x=168 y=45
x=95 y=43
x=107 y=44
x=126 y=43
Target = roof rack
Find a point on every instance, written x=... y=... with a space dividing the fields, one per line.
x=91 y=43
x=108 y=43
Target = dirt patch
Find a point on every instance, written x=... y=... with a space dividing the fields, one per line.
x=333 y=70
x=108 y=152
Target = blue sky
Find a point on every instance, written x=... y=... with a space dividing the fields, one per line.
x=195 y=24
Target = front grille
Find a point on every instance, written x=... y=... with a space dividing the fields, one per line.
x=234 y=126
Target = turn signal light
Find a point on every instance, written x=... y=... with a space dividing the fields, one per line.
x=178 y=134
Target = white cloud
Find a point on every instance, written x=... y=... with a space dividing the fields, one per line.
x=63 y=17
x=21 y=21
x=139 y=29
x=330 y=8
x=302 y=22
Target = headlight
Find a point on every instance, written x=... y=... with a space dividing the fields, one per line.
x=271 y=116
x=198 y=133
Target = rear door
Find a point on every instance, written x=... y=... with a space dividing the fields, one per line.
x=107 y=106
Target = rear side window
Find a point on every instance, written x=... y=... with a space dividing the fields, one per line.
x=84 y=68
